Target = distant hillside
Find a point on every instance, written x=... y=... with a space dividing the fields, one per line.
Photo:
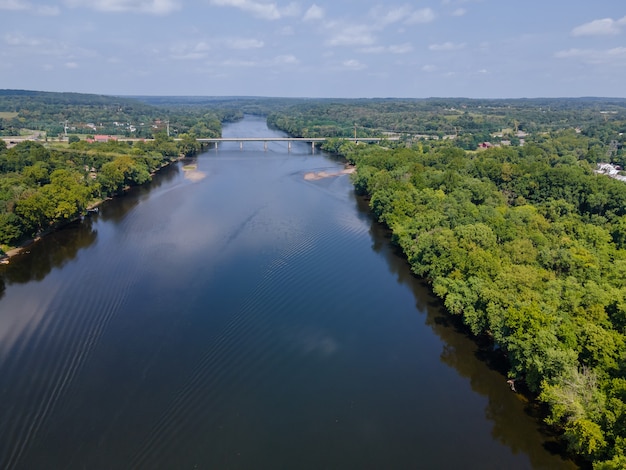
x=79 y=113
x=19 y=98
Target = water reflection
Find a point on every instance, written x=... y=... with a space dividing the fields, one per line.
x=63 y=245
x=116 y=209
x=53 y=251
x=475 y=361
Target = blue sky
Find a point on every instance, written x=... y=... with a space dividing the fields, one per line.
x=321 y=48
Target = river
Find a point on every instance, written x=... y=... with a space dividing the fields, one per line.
x=237 y=314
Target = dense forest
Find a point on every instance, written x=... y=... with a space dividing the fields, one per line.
x=42 y=187
x=497 y=203
x=528 y=245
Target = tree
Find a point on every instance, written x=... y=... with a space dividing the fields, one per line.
x=188 y=145
x=35 y=210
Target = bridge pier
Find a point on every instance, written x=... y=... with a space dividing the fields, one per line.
x=289 y=145
x=241 y=145
x=265 y=145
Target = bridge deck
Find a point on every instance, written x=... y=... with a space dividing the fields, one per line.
x=291 y=139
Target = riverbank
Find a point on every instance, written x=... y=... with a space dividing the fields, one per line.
x=13 y=251
x=488 y=257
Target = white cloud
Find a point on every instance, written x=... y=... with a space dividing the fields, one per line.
x=394 y=15
x=278 y=60
x=200 y=50
x=314 y=13
x=19 y=40
x=286 y=60
x=405 y=14
x=614 y=56
x=71 y=65
x=459 y=12
x=267 y=11
x=14 y=5
x=242 y=43
x=153 y=7
x=189 y=56
x=429 y=68
x=185 y=51
x=202 y=46
x=286 y=31
x=425 y=15
x=447 y=46
x=401 y=48
x=393 y=49
x=364 y=35
x=239 y=63
x=19 y=45
x=20 y=5
x=374 y=50
x=46 y=10
x=603 y=27
x=351 y=35
x=353 y=64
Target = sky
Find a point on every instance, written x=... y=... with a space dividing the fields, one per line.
x=320 y=48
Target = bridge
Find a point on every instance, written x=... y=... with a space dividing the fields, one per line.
x=289 y=140
x=217 y=140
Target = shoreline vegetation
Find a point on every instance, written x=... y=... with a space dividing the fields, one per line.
x=94 y=206
x=496 y=203
x=57 y=188
x=68 y=156
x=530 y=253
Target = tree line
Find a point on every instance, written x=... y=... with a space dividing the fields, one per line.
x=44 y=186
x=49 y=112
x=528 y=245
x=467 y=122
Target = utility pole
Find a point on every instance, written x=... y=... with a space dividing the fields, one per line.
x=168 y=127
x=355 y=131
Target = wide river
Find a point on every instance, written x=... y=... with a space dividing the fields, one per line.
x=243 y=315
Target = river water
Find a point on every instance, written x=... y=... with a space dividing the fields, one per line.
x=237 y=314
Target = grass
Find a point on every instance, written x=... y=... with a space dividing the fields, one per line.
x=7 y=115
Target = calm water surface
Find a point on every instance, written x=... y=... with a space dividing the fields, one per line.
x=242 y=316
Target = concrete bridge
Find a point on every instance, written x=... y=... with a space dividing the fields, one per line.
x=11 y=141
x=289 y=140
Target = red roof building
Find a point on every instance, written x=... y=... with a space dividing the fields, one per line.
x=103 y=138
